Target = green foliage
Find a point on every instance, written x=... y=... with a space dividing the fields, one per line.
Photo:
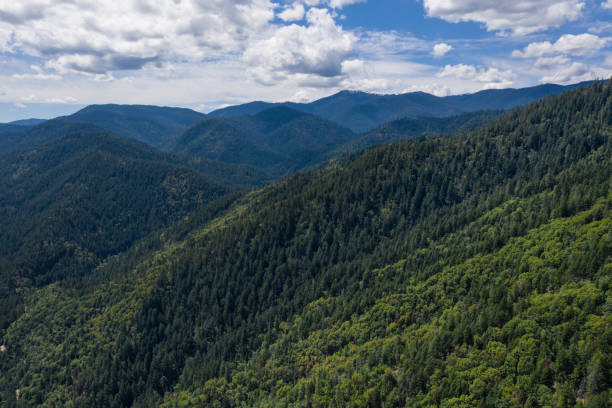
x=466 y=271
x=272 y=140
x=20 y=138
x=66 y=206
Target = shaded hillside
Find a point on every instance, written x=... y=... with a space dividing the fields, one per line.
x=407 y=128
x=445 y=272
x=268 y=140
x=67 y=205
x=231 y=140
x=234 y=177
x=28 y=122
x=153 y=125
x=8 y=128
x=19 y=138
x=361 y=111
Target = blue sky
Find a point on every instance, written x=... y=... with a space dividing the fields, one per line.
x=58 y=55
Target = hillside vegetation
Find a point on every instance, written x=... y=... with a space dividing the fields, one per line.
x=271 y=140
x=282 y=141
x=67 y=205
x=447 y=271
x=153 y=125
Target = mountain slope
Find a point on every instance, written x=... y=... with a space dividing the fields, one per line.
x=407 y=128
x=269 y=140
x=19 y=138
x=153 y=125
x=28 y=122
x=361 y=111
x=67 y=205
x=448 y=272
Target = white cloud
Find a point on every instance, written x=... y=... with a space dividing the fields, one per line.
x=491 y=77
x=98 y=37
x=607 y=4
x=569 y=44
x=38 y=75
x=439 y=50
x=313 y=53
x=342 y=3
x=336 y=4
x=551 y=62
x=353 y=67
x=20 y=105
x=295 y=12
x=574 y=73
x=518 y=16
x=385 y=44
x=67 y=99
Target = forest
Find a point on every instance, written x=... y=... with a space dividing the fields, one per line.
x=461 y=269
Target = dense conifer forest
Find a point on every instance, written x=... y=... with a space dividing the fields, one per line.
x=456 y=270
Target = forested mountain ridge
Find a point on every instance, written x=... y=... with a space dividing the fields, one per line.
x=360 y=111
x=27 y=122
x=18 y=138
x=282 y=141
x=406 y=128
x=153 y=125
x=67 y=205
x=464 y=271
x=270 y=140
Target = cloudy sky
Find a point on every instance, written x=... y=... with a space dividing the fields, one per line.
x=59 y=55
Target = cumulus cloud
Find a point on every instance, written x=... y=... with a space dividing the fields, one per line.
x=551 y=62
x=439 y=50
x=313 y=53
x=607 y=4
x=342 y=3
x=491 y=77
x=519 y=17
x=568 y=44
x=97 y=37
x=336 y=4
x=38 y=74
x=64 y=100
x=574 y=73
x=295 y=12
x=385 y=44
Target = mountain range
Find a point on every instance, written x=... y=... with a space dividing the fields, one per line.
x=360 y=111
x=456 y=261
x=273 y=140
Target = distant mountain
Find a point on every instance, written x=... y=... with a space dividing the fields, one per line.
x=407 y=128
x=232 y=176
x=282 y=140
x=68 y=205
x=16 y=138
x=361 y=111
x=153 y=125
x=269 y=140
x=509 y=98
x=28 y=122
x=9 y=128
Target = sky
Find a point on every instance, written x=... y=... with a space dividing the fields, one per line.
x=57 y=56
